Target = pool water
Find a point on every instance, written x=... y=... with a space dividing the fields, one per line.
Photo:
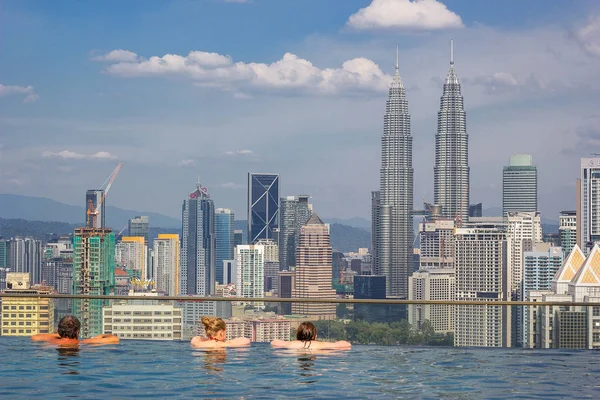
x=143 y=369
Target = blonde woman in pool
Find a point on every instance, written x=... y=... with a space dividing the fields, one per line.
x=306 y=338
x=215 y=331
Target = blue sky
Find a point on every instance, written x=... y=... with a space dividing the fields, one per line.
x=220 y=88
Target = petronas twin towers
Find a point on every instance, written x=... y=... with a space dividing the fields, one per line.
x=392 y=205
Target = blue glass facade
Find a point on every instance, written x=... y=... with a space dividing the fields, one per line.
x=263 y=207
x=224 y=220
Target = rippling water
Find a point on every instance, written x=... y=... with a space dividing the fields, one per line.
x=139 y=369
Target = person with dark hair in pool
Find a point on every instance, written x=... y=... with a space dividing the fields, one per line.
x=68 y=334
x=306 y=338
x=216 y=335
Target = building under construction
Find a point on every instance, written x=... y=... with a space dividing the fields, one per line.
x=93 y=274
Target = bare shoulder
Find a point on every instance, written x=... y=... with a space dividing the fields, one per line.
x=341 y=345
x=293 y=344
x=45 y=337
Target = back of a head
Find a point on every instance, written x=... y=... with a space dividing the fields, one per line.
x=68 y=327
x=213 y=325
x=306 y=331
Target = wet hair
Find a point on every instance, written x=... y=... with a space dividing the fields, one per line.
x=213 y=325
x=306 y=331
x=68 y=327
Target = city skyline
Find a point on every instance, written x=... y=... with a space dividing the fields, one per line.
x=527 y=76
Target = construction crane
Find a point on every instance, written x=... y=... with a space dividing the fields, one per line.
x=93 y=211
x=121 y=231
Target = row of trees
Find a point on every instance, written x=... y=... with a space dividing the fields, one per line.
x=395 y=333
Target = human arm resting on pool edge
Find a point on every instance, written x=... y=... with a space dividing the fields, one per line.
x=105 y=338
x=198 y=341
x=311 y=345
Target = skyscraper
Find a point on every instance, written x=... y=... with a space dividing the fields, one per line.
x=392 y=213
x=131 y=255
x=166 y=263
x=197 y=271
x=519 y=185
x=250 y=263
x=140 y=226
x=451 y=169
x=567 y=231
x=482 y=275
x=263 y=207
x=93 y=274
x=224 y=240
x=588 y=216
x=95 y=196
x=313 y=270
x=295 y=211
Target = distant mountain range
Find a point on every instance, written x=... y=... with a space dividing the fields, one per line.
x=44 y=209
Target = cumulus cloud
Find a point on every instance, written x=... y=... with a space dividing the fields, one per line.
x=243 y=152
x=27 y=91
x=405 y=14
x=116 y=56
x=588 y=36
x=72 y=155
x=290 y=73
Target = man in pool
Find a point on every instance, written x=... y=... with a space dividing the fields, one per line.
x=68 y=335
x=306 y=336
x=216 y=335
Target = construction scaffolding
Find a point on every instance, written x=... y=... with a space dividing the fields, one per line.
x=93 y=274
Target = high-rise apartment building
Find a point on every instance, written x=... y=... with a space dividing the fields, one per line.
x=224 y=241
x=271 y=265
x=197 y=271
x=285 y=287
x=294 y=212
x=313 y=270
x=33 y=259
x=524 y=232
x=482 y=275
x=263 y=207
x=93 y=274
x=433 y=284
x=392 y=206
x=131 y=254
x=567 y=230
x=26 y=316
x=95 y=197
x=437 y=243
x=250 y=264
x=539 y=267
x=140 y=226
x=166 y=263
x=519 y=185
x=588 y=209
x=451 y=169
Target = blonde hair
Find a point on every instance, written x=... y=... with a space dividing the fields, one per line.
x=213 y=325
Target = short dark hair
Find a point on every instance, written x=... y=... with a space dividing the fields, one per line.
x=306 y=331
x=68 y=327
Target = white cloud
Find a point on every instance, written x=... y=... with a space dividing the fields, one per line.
x=242 y=152
x=186 y=163
x=27 y=91
x=242 y=96
x=71 y=155
x=291 y=73
x=505 y=81
x=405 y=14
x=116 y=56
x=588 y=36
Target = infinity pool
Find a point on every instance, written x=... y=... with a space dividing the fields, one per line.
x=138 y=369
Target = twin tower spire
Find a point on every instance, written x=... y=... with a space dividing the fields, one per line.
x=392 y=205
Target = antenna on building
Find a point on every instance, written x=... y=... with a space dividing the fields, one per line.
x=451 y=51
x=397 y=63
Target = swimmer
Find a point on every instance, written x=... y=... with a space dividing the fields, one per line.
x=215 y=330
x=68 y=335
x=306 y=338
